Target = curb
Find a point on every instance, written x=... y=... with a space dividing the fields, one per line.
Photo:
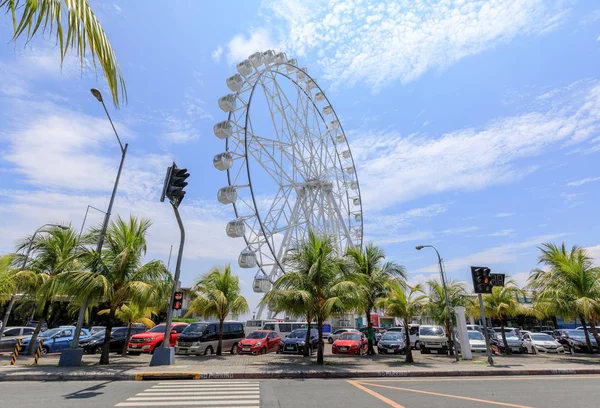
x=153 y=376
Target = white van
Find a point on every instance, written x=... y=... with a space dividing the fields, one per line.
x=284 y=328
x=433 y=340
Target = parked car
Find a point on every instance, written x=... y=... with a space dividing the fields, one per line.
x=203 y=338
x=118 y=335
x=475 y=327
x=476 y=341
x=510 y=332
x=34 y=323
x=11 y=334
x=392 y=342
x=148 y=341
x=284 y=328
x=55 y=340
x=97 y=329
x=351 y=343
x=259 y=342
x=538 y=342
x=331 y=337
x=574 y=341
x=548 y=332
x=514 y=342
x=295 y=342
x=433 y=339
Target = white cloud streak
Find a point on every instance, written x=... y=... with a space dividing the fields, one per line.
x=242 y=46
x=582 y=181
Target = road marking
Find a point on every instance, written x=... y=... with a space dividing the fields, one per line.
x=491 y=378
x=504 y=404
x=204 y=382
x=199 y=394
x=380 y=397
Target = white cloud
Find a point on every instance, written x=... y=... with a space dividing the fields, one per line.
x=387 y=41
x=459 y=230
x=117 y=8
x=505 y=214
x=242 y=46
x=582 y=181
x=594 y=252
x=216 y=54
x=502 y=233
x=394 y=169
x=489 y=257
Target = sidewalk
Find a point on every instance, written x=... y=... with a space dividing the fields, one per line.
x=277 y=366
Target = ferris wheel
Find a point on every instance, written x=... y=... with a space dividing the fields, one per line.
x=288 y=163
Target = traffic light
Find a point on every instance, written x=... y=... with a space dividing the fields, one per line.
x=178 y=300
x=482 y=282
x=174 y=185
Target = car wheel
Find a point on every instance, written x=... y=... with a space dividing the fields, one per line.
x=208 y=351
x=263 y=351
x=45 y=350
x=97 y=350
x=534 y=350
x=234 y=349
x=330 y=340
x=417 y=345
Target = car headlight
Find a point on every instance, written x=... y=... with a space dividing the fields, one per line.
x=302 y=343
x=259 y=343
x=149 y=339
x=195 y=344
x=443 y=343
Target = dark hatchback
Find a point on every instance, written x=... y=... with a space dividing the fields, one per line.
x=295 y=342
x=574 y=341
x=392 y=343
x=93 y=344
x=514 y=342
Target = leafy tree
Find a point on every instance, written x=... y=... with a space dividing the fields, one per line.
x=568 y=285
x=398 y=303
x=316 y=271
x=75 y=26
x=121 y=277
x=131 y=314
x=436 y=307
x=373 y=275
x=8 y=283
x=218 y=296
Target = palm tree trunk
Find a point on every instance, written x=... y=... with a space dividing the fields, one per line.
x=409 y=356
x=307 y=344
x=507 y=349
x=220 y=345
x=449 y=338
x=371 y=349
x=13 y=298
x=124 y=351
x=587 y=335
x=38 y=328
x=320 y=348
x=595 y=334
x=104 y=358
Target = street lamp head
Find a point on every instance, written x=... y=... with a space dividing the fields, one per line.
x=96 y=94
x=418 y=248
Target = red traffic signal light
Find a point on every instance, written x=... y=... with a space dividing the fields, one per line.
x=177 y=300
x=177 y=305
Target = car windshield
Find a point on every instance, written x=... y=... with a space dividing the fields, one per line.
x=50 y=333
x=195 y=329
x=350 y=336
x=297 y=334
x=576 y=333
x=157 y=329
x=475 y=335
x=432 y=331
x=541 y=337
x=392 y=336
x=257 y=335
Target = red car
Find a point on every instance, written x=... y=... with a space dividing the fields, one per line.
x=259 y=342
x=146 y=342
x=350 y=343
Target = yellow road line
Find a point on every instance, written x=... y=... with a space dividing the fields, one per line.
x=380 y=397
x=504 y=404
x=491 y=378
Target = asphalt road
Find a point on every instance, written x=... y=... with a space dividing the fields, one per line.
x=518 y=392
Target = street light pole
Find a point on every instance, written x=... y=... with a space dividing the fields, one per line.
x=442 y=273
x=72 y=356
x=13 y=298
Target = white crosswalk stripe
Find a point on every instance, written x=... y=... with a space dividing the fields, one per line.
x=205 y=394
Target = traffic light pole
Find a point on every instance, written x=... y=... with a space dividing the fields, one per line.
x=485 y=332
x=166 y=343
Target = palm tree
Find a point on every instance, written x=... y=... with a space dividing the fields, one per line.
x=51 y=254
x=502 y=304
x=436 y=306
x=8 y=283
x=315 y=270
x=398 y=303
x=219 y=295
x=121 y=276
x=83 y=31
x=568 y=285
x=131 y=314
x=373 y=275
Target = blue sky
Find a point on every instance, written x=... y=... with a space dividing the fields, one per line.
x=475 y=125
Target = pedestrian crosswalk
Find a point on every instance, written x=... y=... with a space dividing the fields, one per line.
x=205 y=394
